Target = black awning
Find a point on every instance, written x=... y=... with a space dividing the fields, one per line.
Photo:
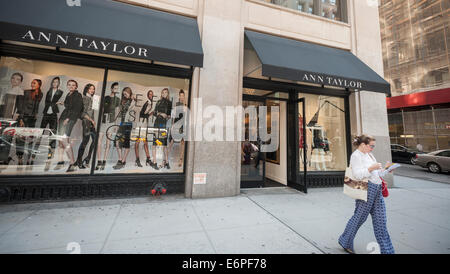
x=305 y=62
x=103 y=26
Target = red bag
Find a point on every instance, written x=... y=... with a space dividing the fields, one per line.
x=384 y=189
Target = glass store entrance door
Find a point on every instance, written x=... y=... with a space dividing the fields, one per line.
x=297 y=152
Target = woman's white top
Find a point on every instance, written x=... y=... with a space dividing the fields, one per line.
x=360 y=162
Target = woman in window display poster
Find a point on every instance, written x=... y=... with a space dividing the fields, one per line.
x=177 y=115
x=27 y=108
x=88 y=124
x=73 y=108
x=8 y=100
x=110 y=108
x=146 y=115
x=124 y=132
x=163 y=109
x=50 y=114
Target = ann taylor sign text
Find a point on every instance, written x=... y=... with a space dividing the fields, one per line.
x=331 y=81
x=84 y=43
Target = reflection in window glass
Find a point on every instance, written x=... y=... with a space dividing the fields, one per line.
x=326 y=147
x=331 y=9
x=136 y=133
x=252 y=162
x=47 y=113
x=306 y=6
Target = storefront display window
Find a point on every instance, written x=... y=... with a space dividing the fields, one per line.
x=51 y=124
x=325 y=133
x=48 y=114
x=135 y=134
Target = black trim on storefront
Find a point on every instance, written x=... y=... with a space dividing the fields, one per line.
x=33 y=188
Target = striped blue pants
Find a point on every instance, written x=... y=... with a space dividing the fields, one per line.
x=375 y=206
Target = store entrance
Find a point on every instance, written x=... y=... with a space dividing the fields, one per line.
x=261 y=168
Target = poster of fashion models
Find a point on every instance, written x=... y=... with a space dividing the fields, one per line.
x=135 y=134
x=52 y=124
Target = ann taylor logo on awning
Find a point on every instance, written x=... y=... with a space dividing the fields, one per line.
x=330 y=81
x=84 y=43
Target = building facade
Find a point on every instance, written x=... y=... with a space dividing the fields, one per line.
x=415 y=44
x=90 y=107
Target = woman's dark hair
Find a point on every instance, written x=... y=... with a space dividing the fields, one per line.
x=181 y=92
x=17 y=74
x=114 y=84
x=51 y=83
x=39 y=82
x=86 y=88
x=126 y=89
x=148 y=92
x=362 y=139
x=35 y=94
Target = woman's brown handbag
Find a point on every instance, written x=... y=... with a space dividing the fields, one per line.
x=356 y=189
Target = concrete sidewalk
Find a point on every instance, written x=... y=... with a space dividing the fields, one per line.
x=271 y=220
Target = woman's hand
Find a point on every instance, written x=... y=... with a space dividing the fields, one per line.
x=374 y=167
x=66 y=121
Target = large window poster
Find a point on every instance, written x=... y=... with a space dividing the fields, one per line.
x=47 y=123
x=135 y=135
x=50 y=123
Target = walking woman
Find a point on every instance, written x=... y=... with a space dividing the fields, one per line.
x=88 y=127
x=363 y=166
x=50 y=115
x=123 y=144
x=73 y=108
x=146 y=114
x=110 y=107
x=177 y=114
x=163 y=109
x=27 y=108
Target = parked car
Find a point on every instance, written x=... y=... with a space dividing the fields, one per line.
x=436 y=161
x=403 y=154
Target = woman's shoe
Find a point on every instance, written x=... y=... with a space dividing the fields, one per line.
x=103 y=165
x=99 y=165
x=348 y=250
x=155 y=166
x=118 y=165
x=138 y=163
x=148 y=162
x=59 y=165
x=71 y=168
x=86 y=162
x=165 y=164
x=80 y=165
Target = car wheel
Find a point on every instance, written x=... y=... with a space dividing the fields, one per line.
x=433 y=167
x=412 y=160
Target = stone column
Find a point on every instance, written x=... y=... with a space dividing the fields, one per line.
x=368 y=109
x=218 y=83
